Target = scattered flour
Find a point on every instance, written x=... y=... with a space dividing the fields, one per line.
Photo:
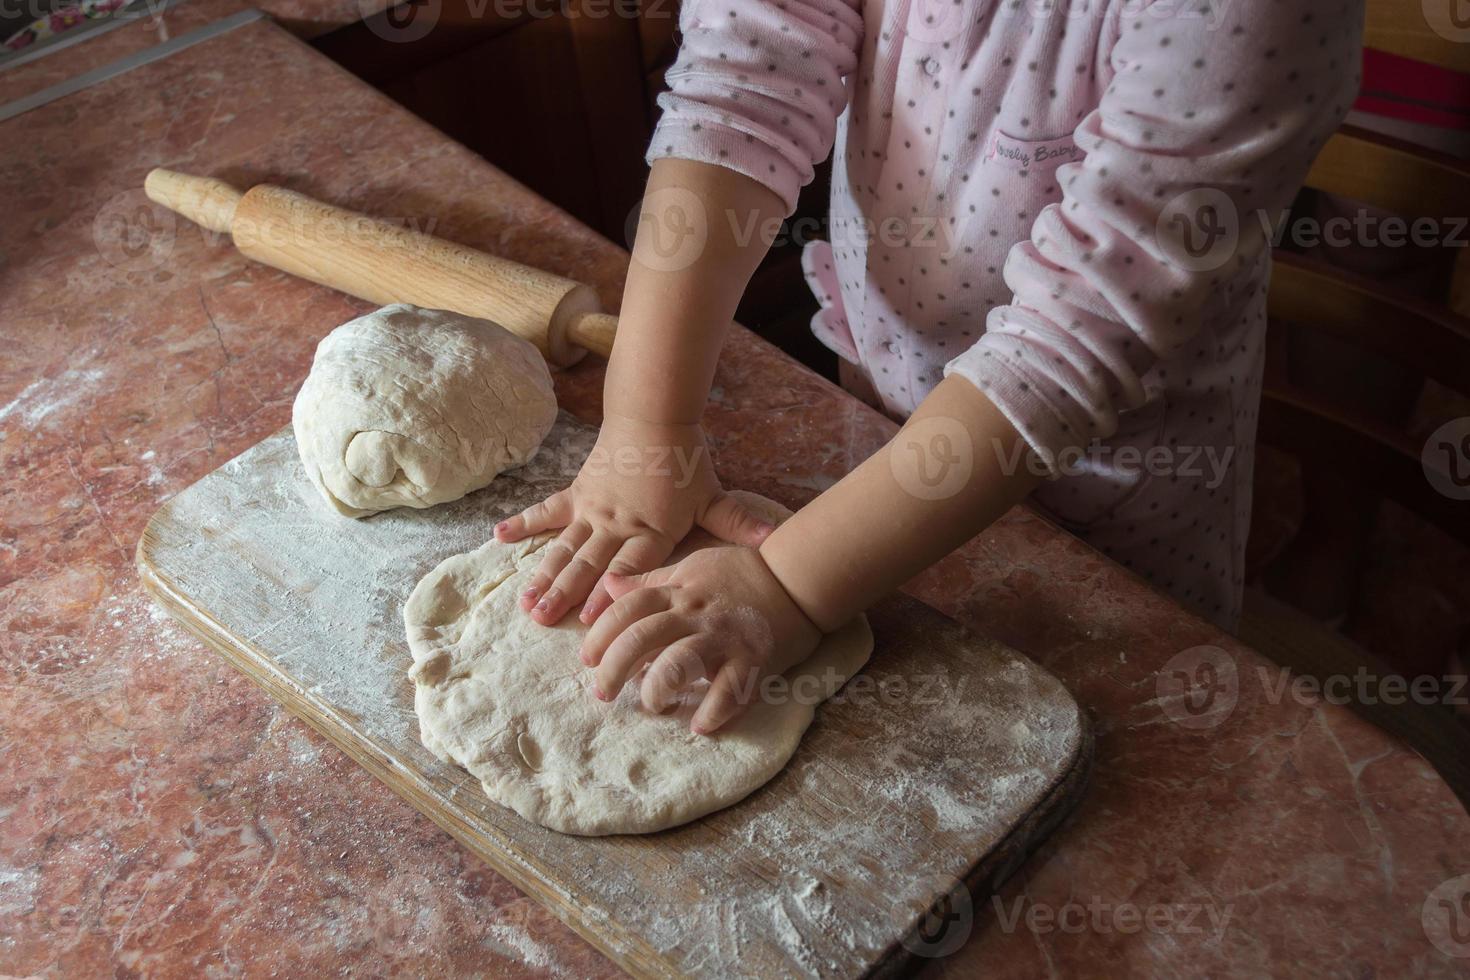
x=18 y=891
x=514 y=941
x=44 y=396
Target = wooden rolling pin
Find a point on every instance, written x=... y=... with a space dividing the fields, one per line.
x=384 y=263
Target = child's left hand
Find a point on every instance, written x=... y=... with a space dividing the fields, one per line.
x=718 y=614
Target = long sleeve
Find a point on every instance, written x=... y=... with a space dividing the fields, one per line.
x=1200 y=141
x=758 y=87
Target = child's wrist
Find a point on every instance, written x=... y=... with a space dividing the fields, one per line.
x=652 y=421
x=653 y=400
x=784 y=591
x=786 y=573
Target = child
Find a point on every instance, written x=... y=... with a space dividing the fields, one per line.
x=1050 y=229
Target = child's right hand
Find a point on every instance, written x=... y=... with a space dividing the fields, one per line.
x=644 y=486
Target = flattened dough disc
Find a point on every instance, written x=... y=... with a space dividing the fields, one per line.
x=509 y=701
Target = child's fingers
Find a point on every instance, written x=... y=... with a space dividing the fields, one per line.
x=635 y=646
x=553 y=512
x=728 y=698
x=577 y=577
x=640 y=553
x=730 y=520
x=620 y=585
x=596 y=603
x=621 y=615
x=673 y=671
x=554 y=558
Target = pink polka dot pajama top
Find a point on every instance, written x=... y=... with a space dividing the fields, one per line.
x=1068 y=203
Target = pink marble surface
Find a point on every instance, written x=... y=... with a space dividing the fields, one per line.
x=304 y=18
x=159 y=815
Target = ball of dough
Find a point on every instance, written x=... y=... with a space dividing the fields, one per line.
x=407 y=407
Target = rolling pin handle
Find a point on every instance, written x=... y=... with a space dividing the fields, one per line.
x=205 y=201
x=386 y=264
x=594 y=332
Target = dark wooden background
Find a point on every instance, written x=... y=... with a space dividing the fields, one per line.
x=561 y=94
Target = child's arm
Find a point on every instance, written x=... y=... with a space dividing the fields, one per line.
x=956 y=466
x=702 y=231
x=649 y=480
x=753 y=104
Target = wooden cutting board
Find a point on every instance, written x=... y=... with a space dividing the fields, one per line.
x=945 y=762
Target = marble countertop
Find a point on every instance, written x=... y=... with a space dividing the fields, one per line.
x=157 y=810
x=304 y=18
